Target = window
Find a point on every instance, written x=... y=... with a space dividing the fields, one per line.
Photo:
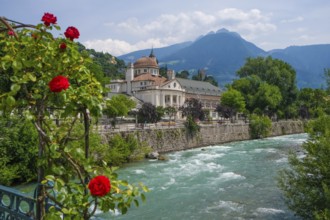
x=145 y=70
x=167 y=99
x=141 y=83
x=174 y=99
x=174 y=85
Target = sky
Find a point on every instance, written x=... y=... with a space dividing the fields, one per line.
x=123 y=26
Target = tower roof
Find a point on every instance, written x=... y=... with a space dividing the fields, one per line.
x=146 y=62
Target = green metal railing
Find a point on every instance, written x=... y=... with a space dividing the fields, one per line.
x=15 y=205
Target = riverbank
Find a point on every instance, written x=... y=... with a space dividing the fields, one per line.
x=176 y=139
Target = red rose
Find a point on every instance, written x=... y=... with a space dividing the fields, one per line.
x=99 y=186
x=62 y=46
x=48 y=19
x=11 y=33
x=71 y=33
x=59 y=83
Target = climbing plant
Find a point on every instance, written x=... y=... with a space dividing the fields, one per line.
x=45 y=79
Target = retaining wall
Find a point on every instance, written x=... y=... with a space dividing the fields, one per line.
x=176 y=139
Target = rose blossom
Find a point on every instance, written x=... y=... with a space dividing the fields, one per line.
x=99 y=186
x=59 y=83
x=71 y=33
x=11 y=33
x=62 y=46
x=48 y=19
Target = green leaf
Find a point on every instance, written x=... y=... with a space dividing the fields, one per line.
x=143 y=197
x=14 y=79
x=15 y=88
x=17 y=65
x=10 y=101
x=124 y=183
x=136 y=203
x=31 y=76
x=50 y=177
x=124 y=210
x=61 y=182
x=65 y=211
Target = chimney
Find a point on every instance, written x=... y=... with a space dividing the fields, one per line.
x=170 y=74
x=129 y=77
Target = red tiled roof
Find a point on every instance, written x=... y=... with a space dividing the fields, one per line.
x=158 y=80
x=146 y=62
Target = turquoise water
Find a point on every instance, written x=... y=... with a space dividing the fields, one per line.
x=230 y=181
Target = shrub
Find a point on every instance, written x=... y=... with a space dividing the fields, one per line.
x=259 y=126
x=18 y=151
x=191 y=126
x=121 y=150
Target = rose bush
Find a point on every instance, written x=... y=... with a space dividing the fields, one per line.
x=34 y=73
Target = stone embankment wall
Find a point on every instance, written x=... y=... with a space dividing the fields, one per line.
x=176 y=139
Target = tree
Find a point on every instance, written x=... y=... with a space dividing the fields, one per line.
x=183 y=74
x=248 y=87
x=163 y=71
x=327 y=79
x=170 y=111
x=267 y=98
x=111 y=67
x=193 y=107
x=274 y=72
x=147 y=113
x=160 y=110
x=211 y=80
x=233 y=100
x=312 y=102
x=202 y=76
x=117 y=106
x=306 y=184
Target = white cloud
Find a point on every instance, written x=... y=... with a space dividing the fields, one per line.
x=293 y=20
x=305 y=38
x=114 y=47
x=118 y=47
x=240 y=15
x=168 y=29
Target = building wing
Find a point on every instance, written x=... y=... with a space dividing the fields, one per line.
x=199 y=87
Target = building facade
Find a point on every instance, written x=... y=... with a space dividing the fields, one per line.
x=144 y=82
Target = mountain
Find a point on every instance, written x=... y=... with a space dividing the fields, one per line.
x=308 y=61
x=223 y=52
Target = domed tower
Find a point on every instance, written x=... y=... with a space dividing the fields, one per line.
x=147 y=65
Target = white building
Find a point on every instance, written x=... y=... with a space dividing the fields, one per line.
x=144 y=82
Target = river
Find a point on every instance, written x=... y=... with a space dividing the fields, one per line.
x=233 y=181
x=229 y=181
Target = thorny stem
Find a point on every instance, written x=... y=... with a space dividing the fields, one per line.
x=4 y=21
x=75 y=166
